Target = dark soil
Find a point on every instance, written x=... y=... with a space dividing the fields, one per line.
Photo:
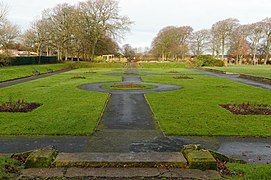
x=182 y=77
x=126 y=86
x=90 y=72
x=248 y=109
x=19 y=106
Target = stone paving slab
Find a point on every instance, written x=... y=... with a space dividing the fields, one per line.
x=154 y=159
x=119 y=173
x=43 y=172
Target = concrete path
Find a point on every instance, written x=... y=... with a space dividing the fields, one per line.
x=127 y=119
x=31 y=78
x=236 y=77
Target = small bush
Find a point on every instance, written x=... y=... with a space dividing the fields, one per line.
x=208 y=60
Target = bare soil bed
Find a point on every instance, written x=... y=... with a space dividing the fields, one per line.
x=248 y=109
x=19 y=106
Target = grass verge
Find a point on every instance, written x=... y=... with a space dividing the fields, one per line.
x=15 y=72
x=249 y=171
x=195 y=110
x=66 y=109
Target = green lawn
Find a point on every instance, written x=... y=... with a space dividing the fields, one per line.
x=15 y=72
x=257 y=70
x=66 y=109
x=250 y=171
x=163 y=65
x=195 y=110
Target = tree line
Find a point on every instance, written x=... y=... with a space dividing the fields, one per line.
x=81 y=31
x=248 y=43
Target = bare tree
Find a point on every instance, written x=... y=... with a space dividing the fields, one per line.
x=199 y=41
x=172 y=42
x=238 y=44
x=224 y=29
x=254 y=36
x=266 y=27
x=102 y=18
x=3 y=12
x=8 y=31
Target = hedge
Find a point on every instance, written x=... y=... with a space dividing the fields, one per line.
x=32 y=60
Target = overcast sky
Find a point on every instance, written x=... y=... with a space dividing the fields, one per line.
x=152 y=15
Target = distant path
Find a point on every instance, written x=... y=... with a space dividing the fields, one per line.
x=31 y=78
x=235 y=77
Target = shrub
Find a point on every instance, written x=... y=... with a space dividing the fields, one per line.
x=33 y=60
x=207 y=60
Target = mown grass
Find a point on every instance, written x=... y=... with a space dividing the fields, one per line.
x=163 y=65
x=15 y=72
x=167 y=71
x=86 y=64
x=250 y=171
x=195 y=110
x=65 y=109
x=256 y=70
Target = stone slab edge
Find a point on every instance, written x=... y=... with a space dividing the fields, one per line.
x=120 y=160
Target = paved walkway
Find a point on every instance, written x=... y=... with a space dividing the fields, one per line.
x=31 y=78
x=128 y=119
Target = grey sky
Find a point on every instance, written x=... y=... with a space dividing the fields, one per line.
x=152 y=15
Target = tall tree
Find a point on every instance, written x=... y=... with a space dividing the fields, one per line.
x=266 y=27
x=172 y=42
x=102 y=18
x=128 y=51
x=199 y=41
x=8 y=31
x=254 y=36
x=224 y=29
x=238 y=44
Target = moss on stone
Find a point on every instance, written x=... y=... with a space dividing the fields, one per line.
x=41 y=158
x=201 y=159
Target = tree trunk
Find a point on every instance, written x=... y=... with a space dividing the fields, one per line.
x=267 y=51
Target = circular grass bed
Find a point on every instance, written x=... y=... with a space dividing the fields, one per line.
x=128 y=86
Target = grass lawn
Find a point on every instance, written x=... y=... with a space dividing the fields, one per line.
x=195 y=110
x=15 y=72
x=166 y=71
x=163 y=65
x=66 y=109
x=250 y=171
x=257 y=70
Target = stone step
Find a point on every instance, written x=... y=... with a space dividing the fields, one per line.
x=118 y=173
x=154 y=159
